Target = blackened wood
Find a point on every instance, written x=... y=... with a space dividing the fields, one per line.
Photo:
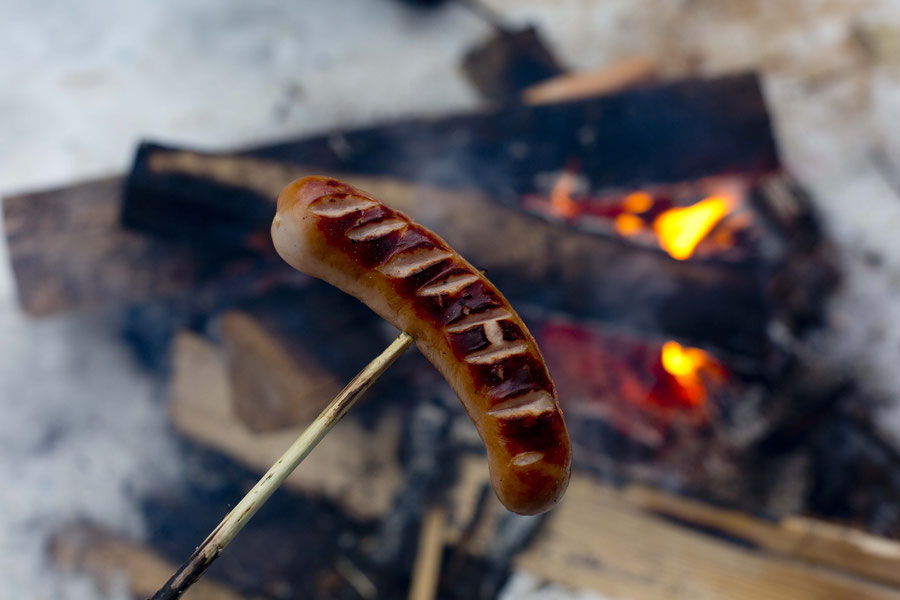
x=69 y=252
x=664 y=133
x=533 y=261
x=508 y=62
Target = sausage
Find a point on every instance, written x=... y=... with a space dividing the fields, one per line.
x=459 y=320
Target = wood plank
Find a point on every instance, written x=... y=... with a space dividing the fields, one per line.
x=586 y=84
x=597 y=539
x=69 y=252
x=842 y=548
x=354 y=466
x=272 y=387
x=107 y=558
x=533 y=261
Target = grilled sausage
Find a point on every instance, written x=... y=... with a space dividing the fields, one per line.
x=459 y=320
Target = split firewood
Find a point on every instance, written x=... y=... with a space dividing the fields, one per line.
x=110 y=559
x=599 y=539
x=586 y=84
x=363 y=482
x=834 y=546
x=272 y=387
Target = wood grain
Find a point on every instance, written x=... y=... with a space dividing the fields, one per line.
x=354 y=466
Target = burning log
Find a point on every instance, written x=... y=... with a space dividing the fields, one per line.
x=582 y=274
x=621 y=141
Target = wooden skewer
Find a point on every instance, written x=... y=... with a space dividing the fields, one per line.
x=427 y=569
x=235 y=520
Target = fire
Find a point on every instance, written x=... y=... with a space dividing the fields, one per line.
x=628 y=224
x=681 y=229
x=638 y=202
x=687 y=366
x=561 y=196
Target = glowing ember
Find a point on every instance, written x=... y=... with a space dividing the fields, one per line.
x=681 y=361
x=561 y=196
x=628 y=224
x=681 y=229
x=687 y=365
x=638 y=202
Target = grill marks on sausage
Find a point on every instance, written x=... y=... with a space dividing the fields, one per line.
x=375 y=230
x=527 y=458
x=478 y=326
x=401 y=266
x=474 y=320
x=533 y=403
x=339 y=205
x=451 y=285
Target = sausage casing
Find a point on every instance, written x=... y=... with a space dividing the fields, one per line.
x=460 y=321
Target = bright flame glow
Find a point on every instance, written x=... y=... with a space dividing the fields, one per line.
x=628 y=224
x=681 y=229
x=561 y=196
x=637 y=202
x=681 y=361
x=686 y=365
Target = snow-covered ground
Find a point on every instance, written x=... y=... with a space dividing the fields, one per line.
x=81 y=433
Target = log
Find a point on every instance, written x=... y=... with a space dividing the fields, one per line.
x=597 y=539
x=841 y=548
x=362 y=481
x=509 y=61
x=70 y=253
x=291 y=351
x=620 y=75
x=106 y=557
x=664 y=133
x=272 y=389
x=533 y=261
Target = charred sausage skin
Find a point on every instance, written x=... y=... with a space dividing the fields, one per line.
x=460 y=322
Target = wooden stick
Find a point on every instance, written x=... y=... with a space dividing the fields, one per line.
x=427 y=569
x=587 y=84
x=235 y=520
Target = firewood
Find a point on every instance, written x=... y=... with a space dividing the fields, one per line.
x=362 y=482
x=840 y=548
x=427 y=569
x=310 y=437
x=574 y=86
x=599 y=539
x=534 y=261
x=272 y=387
x=106 y=557
x=69 y=252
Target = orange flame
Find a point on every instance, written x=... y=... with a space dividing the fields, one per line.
x=681 y=229
x=638 y=202
x=686 y=365
x=561 y=196
x=628 y=224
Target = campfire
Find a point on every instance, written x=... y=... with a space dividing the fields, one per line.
x=665 y=292
x=704 y=219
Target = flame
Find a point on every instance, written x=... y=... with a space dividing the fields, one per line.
x=637 y=202
x=687 y=365
x=681 y=229
x=628 y=224
x=561 y=196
